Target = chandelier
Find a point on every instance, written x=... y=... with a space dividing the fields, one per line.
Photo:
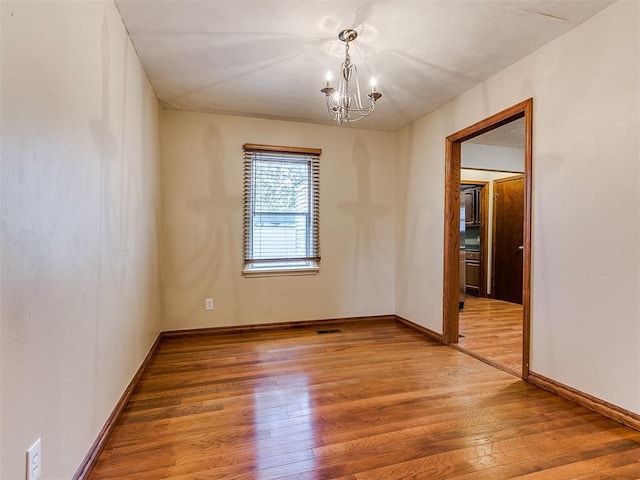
x=345 y=104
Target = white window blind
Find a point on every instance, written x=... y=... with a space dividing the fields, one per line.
x=281 y=207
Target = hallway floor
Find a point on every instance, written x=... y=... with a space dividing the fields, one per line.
x=492 y=329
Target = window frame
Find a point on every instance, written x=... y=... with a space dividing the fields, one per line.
x=302 y=265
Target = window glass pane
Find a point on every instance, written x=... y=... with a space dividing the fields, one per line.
x=281 y=186
x=281 y=235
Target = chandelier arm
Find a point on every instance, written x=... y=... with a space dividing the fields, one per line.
x=357 y=96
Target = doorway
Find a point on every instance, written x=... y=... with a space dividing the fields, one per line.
x=452 y=251
x=490 y=324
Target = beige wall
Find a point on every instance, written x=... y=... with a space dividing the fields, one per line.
x=475 y=155
x=586 y=203
x=202 y=224
x=79 y=184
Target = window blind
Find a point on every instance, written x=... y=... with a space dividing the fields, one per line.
x=281 y=207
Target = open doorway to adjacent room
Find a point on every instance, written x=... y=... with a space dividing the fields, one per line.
x=486 y=306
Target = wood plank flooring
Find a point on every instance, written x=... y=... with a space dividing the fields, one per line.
x=372 y=401
x=492 y=329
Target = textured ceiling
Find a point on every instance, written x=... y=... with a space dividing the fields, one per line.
x=511 y=135
x=268 y=58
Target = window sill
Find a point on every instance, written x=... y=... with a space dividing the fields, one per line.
x=280 y=272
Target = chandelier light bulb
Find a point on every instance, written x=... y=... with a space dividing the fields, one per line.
x=373 y=84
x=329 y=77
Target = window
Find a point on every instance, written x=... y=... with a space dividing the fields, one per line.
x=281 y=206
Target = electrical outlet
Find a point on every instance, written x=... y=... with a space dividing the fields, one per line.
x=208 y=303
x=34 y=461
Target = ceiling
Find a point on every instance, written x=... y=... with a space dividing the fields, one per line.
x=511 y=134
x=268 y=58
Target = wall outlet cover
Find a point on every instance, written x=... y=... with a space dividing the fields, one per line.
x=34 y=461
x=208 y=303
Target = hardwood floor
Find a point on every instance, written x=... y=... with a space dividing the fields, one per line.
x=372 y=401
x=492 y=329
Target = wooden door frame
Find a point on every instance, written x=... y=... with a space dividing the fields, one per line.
x=451 y=272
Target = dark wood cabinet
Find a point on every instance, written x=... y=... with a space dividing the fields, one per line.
x=472 y=205
x=474 y=197
x=472 y=272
